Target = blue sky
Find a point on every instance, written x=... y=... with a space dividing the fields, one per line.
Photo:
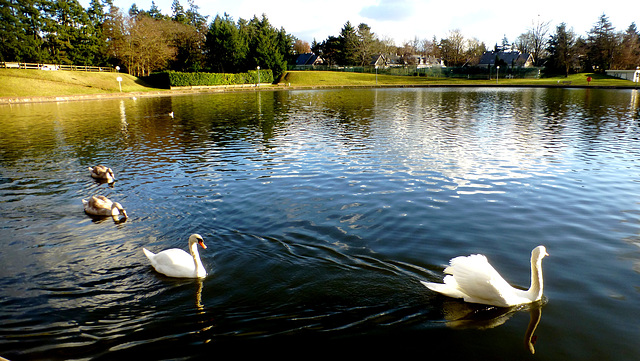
x=404 y=20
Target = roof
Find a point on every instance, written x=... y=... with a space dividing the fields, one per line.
x=377 y=59
x=306 y=59
x=509 y=57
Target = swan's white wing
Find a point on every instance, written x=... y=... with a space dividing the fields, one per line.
x=173 y=262
x=479 y=281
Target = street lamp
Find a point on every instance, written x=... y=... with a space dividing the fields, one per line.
x=119 y=79
x=258 y=75
x=497 y=73
x=376 y=75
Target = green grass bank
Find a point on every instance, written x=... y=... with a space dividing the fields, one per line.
x=324 y=78
x=20 y=85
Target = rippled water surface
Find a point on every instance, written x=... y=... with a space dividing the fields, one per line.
x=322 y=211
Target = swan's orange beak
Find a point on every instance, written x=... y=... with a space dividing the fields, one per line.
x=202 y=244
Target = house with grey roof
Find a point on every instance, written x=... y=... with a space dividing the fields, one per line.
x=378 y=61
x=513 y=59
x=308 y=59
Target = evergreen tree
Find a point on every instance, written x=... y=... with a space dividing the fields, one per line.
x=68 y=33
x=178 y=14
x=113 y=30
x=562 y=53
x=21 y=24
x=348 y=52
x=155 y=13
x=97 y=41
x=328 y=50
x=601 y=44
x=194 y=18
x=285 y=47
x=135 y=11
x=227 y=46
x=263 y=47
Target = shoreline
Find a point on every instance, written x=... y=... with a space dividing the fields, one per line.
x=224 y=89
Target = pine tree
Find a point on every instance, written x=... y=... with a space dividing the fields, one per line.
x=68 y=33
x=562 y=53
x=21 y=23
x=348 y=45
x=155 y=13
x=226 y=45
x=97 y=44
x=178 y=14
x=263 y=47
x=601 y=44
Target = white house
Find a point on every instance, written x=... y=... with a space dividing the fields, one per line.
x=633 y=75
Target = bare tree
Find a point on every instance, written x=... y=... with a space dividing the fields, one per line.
x=628 y=54
x=148 y=45
x=301 y=47
x=366 y=45
x=453 y=48
x=524 y=42
x=474 y=50
x=431 y=48
x=538 y=33
x=387 y=45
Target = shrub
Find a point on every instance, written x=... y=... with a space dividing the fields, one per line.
x=177 y=79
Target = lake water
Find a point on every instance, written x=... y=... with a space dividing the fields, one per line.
x=322 y=211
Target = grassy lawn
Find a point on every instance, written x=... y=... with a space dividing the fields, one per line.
x=40 y=83
x=30 y=83
x=327 y=78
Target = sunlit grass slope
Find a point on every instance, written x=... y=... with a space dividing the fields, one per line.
x=34 y=83
x=329 y=78
x=40 y=83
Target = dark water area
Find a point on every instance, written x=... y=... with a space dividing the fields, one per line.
x=322 y=211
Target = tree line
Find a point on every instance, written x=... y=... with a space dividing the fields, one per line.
x=143 y=41
x=559 y=52
x=139 y=41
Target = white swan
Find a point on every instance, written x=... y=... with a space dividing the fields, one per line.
x=102 y=173
x=473 y=279
x=103 y=206
x=175 y=262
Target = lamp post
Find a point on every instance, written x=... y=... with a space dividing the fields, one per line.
x=376 y=75
x=258 y=75
x=497 y=73
x=119 y=79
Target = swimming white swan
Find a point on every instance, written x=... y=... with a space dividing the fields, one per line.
x=103 y=206
x=175 y=262
x=473 y=279
x=102 y=173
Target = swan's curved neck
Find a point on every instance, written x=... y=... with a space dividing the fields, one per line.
x=200 y=271
x=535 y=291
x=115 y=212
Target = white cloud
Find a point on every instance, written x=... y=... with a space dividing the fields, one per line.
x=388 y=10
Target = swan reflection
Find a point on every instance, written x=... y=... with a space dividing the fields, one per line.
x=461 y=315
x=199 y=305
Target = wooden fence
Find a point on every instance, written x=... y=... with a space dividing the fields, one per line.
x=17 y=65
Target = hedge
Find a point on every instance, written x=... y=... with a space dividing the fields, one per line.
x=177 y=79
